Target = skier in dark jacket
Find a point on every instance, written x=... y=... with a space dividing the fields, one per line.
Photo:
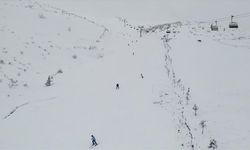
x=117 y=86
x=93 y=140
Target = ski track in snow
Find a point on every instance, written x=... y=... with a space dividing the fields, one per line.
x=15 y=109
x=28 y=103
x=178 y=92
x=179 y=100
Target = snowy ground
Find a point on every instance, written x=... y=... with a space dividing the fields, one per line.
x=90 y=46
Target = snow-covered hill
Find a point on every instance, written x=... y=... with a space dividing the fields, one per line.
x=163 y=69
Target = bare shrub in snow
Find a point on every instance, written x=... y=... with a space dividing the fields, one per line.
x=213 y=144
x=195 y=108
x=74 y=56
x=92 y=47
x=69 y=29
x=100 y=56
x=203 y=125
x=188 y=95
x=41 y=16
x=1 y=61
x=29 y=6
x=13 y=83
x=59 y=71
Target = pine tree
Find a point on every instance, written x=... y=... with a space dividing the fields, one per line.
x=48 y=83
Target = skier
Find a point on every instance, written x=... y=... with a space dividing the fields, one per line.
x=93 y=140
x=142 y=76
x=117 y=86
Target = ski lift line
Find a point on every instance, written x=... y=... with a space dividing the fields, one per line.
x=222 y=19
x=243 y=15
x=236 y=16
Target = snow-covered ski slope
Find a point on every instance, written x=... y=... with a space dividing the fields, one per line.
x=90 y=46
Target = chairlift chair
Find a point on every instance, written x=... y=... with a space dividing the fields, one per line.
x=233 y=24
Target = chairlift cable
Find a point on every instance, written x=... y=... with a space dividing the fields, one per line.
x=243 y=15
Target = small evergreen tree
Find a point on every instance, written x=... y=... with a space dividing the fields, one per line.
x=48 y=83
x=213 y=144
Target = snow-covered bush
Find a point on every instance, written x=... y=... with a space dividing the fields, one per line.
x=25 y=85
x=213 y=144
x=1 y=61
x=59 y=71
x=49 y=81
x=69 y=29
x=74 y=56
x=92 y=47
x=13 y=83
x=41 y=16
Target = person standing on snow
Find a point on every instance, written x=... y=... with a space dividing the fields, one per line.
x=93 y=140
x=117 y=86
x=142 y=76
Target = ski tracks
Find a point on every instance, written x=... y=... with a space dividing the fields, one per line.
x=14 y=110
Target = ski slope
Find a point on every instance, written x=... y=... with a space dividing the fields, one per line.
x=90 y=46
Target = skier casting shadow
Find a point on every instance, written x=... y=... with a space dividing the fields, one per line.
x=93 y=139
